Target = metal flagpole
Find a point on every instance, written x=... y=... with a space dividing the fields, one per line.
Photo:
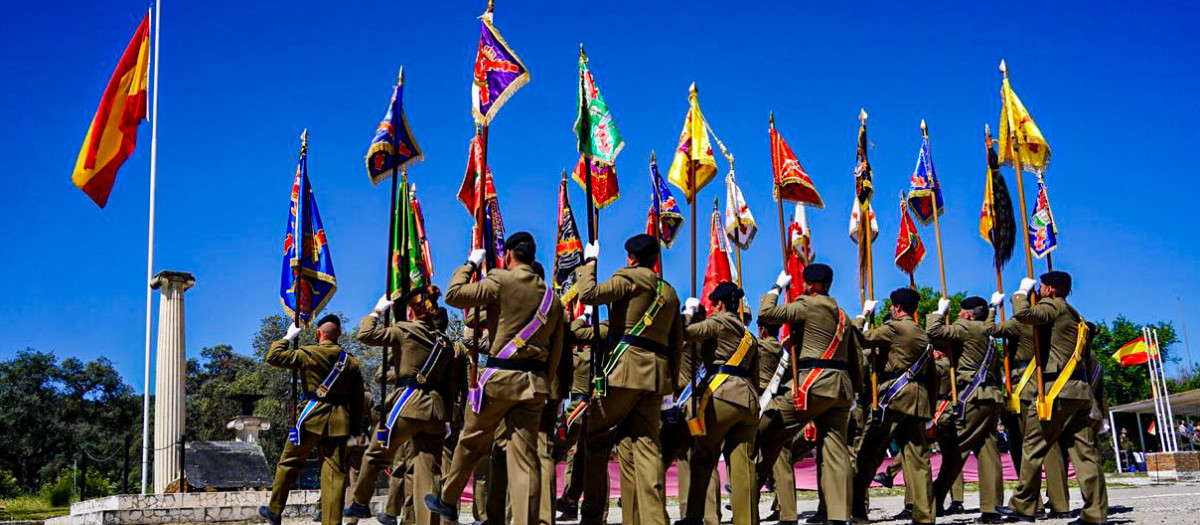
x=1158 y=415
x=937 y=232
x=1112 y=427
x=1162 y=375
x=150 y=252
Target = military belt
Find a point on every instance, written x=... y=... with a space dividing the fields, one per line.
x=943 y=397
x=831 y=364
x=645 y=344
x=735 y=371
x=516 y=365
x=413 y=383
x=329 y=399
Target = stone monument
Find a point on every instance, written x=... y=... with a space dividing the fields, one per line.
x=170 y=377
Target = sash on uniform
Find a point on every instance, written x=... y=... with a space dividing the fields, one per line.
x=980 y=376
x=384 y=435
x=696 y=423
x=475 y=397
x=769 y=393
x=800 y=395
x=1014 y=401
x=904 y=379
x=1064 y=375
x=322 y=390
x=601 y=383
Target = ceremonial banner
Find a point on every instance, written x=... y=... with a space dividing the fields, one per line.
x=1135 y=352
x=498 y=73
x=604 y=181
x=864 y=187
x=1019 y=136
x=924 y=192
x=1043 y=232
x=393 y=146
x=478 y=190
x=739 y=222
x=792 y=183
x=800 y=251
x=997 y=223
x=694 y=151
x=408 y=259
x=568 y=251
x=719 y=270
x=909 y=249
x=856 y=221
x=112 y=134
x=419 y=215
x=663 y=208
x=307 y=281
x=598 y=135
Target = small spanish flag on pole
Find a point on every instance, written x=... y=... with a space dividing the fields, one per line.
x=1135 y=352
x=111 y=137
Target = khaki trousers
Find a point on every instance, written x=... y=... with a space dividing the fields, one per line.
x=521 y=418
x=730 y=430
x=1070 y=427
x=292 y=462
x=425 y=438
x=909 y=434
x=778 y=427
x=633 y=414
x=974 y=433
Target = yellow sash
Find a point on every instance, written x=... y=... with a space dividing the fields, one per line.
x=1014 y=402
x=1064 y=375
x=696 y=423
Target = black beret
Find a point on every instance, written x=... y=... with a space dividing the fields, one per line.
x=726 y=292
x=906 y=297
x=517 y=238
x=818 y=273
x=1057 y=279
x=974 y=302
x=642 y=246
x=409 y=295
x=538 y=269
x=330 y=318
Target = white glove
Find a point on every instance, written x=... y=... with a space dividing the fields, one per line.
x=382 y=305
x=587 y=310
x=292 y=332
x=591 y=250
x=476 y=257
x=690 y=305
x=943 y=306
x=997 y=299
x=783 y=280
x=869 y=307
x=1027 y=284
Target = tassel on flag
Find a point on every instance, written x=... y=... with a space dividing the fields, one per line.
x=393 y=147
x=1043 y=232
x=112 y=134
x=740 y=227
x=604 y=181
x=307 y=281
x=694 y=150
x=909 y=249
x=498 y=73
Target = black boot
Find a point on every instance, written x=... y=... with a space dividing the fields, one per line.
x=956 y=507
x=570 y=512
x=989 y=518
x=816 y=519
x=271 y=517
x=385 y=519
x=357 y=511
x=905 y=514
x=882 y=479
x=437 y=506
x=1009 y=513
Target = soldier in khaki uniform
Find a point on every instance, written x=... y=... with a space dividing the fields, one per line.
x=580 y=336
x=907 y=362
x=827 y=366
x=783 y=471
x=637 y=379
x=981 y=400
x=516 y=377
x=726 y=403
x=1019 y=335
x=1066 y=366
x=417 y=412
x=330 y=417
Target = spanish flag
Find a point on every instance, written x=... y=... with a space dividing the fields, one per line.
x=1020 y=138
x=1135 y=352
x=111 y=137
x=694 y=155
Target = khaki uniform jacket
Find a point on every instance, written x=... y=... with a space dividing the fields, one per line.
x=1057 y=326
x=813 y=320
x=628 y=295
x=1019 y=335
x=511 y=298
x=903 y=342
x=943 y=384
x=770 y=351
x=342 y=415
x=415 y=341
x=969 y=341
x=581 y=343
x=726 y=330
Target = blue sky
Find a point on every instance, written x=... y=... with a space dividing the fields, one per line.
x=1111 y=86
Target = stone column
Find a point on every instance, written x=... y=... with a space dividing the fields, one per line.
x=170 y=374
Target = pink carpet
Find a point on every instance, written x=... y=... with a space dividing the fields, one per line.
x=806 y=475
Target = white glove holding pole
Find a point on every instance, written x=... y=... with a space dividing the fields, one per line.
x=943 y=306
x=587 y=313
x=382 y=305
x=690 y=306
x=476 y=257
x=869 y=307
x=783 y=280
x=292 y=332
x=1027 y=285
x=997 y=299
x=591 y=251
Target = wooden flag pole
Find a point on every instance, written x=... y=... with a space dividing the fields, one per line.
x=868 y=280
x=937 y=233
x=987 y=134
x=593 y=214
x=783 y=246
x=1015 y=137
x=737 y=245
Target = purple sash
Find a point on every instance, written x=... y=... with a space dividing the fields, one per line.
x=475 y=397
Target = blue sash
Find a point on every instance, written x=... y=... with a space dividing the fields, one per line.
x=322 y=390
x=904 y=379
x=687 y=390
x=384 y=434
x=960 y=409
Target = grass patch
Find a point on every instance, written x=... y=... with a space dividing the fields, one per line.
x=30 y=508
